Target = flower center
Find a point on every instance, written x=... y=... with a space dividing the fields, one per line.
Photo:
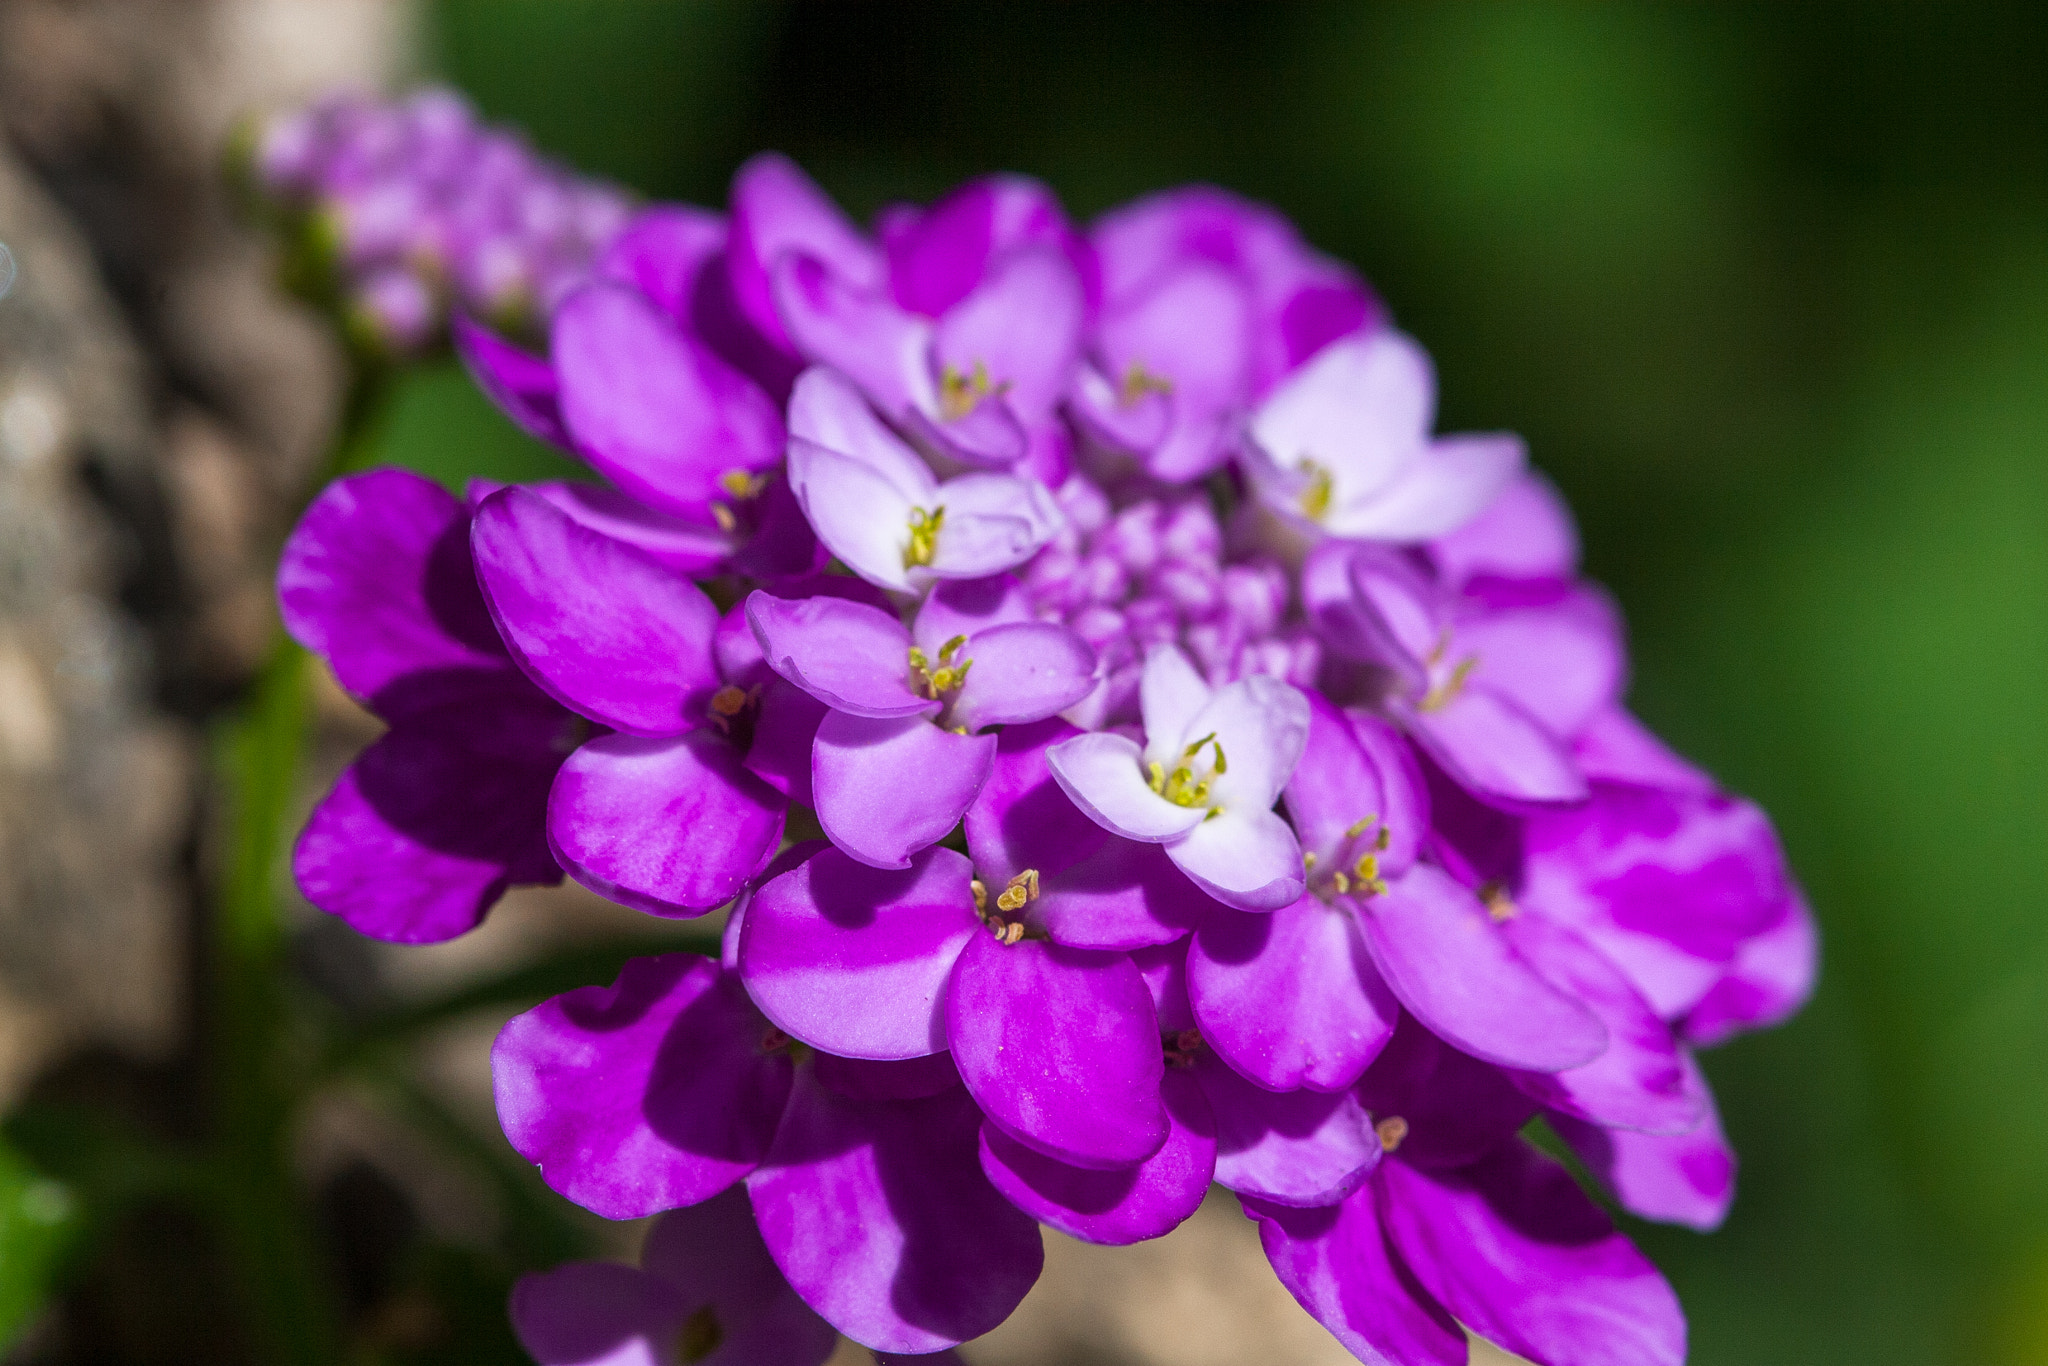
x=1445 y=684
x=699 y=1337
x=961 y=393
x=1499 y=905
x=1360 y=876
x=1138 y=382
x=743 y=485
x=1181 y=1048
x=1183 y=785
x=924 y=536
x=934 y=680
x=1391 y=1131
x=1315 y=499
x=1003 y=921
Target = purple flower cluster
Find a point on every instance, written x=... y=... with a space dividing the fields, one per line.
x=424 y=209
x=1213 y=775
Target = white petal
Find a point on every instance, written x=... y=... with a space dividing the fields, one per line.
x=1361 y=409
x=1449 y=486
x=860 y=516
x=1262 y=724
x=826 y=408
x=1247 y=858
x=1105 y=776
x=1170 y=694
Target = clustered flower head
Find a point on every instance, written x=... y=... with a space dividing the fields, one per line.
x=413 y=208
x=1138 y=752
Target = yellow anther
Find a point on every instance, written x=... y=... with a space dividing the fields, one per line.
x=1446 y=692
x=1341 y=880
x=1360 y=826
x=742 y=483
x=1315 y=499
x=1367 y=872
x=728 y=702
x=1023 y=889
x=980 y=890
x=1138 y=382
x=1498 y=903
x=960 y=394
x=1308 y=860
x=950 y=648
x=934 y=683
x=1196 y=747
x=1013 y=932
x=1158 y=771
x=1391 y=1131
x=722 y=515
x=924 y=536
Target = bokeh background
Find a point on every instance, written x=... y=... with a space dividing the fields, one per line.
x=1766 y=289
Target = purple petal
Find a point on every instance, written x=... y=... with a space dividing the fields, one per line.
x=1025 y=671
x=714 y=1254
x=854 y=960
x=1639 y=1082
x=891 y=1079
x=1561 y=660
x=377 y=579
x=1443 y=955
x=1060 y=1048
x=1452 y=482
x=1021 y=819
x=857 y=332
x=1527 y=533
x=1357 y=768
x=605 y=630
x=1291 y=998
x=879 y=1215
x=663 y=252
x=521 y=384
x=425 y=830
x=596 y=1314
x=857 y=514
x=1514 y=1250
x=672 y=825
x=1772 y=977
x=1263 y=723
x=1191 y=330
x=964 y=607
x=1614 y=747
x=942 y=254
x=786 y=720
x=1118 y=1207
x=828 y=409
x=852 y=657
x=1674 y=1178
x=1104 y=774
x=648 y=1094
x=1336 y=1261
x=652 y=408
x=1291 y=1147
x=1392 y=615
x=1126 y=895
x=1498 y=752
x=1246 y=859
x=888 y=788
x=777 y=210
x=1361 y=409
x=1165 y=970
x=1454 y=1109
x=681 y=546
x=1022 y=324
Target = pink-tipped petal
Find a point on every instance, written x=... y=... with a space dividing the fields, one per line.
x=886 y=788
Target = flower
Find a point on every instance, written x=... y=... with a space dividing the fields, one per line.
x=1186 y=791
x=1283 y=831
x=431 y=823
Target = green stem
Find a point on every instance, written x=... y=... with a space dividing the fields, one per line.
x=258 y=1058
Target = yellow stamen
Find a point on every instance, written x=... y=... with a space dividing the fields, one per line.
x=924 y=536
x=980 y=890
x=1391 y=1131
x=960 y=394
x=1158 y=771
x=742 y=483
x=948 y=676
x=1023 y=888
x=1446 y=692
x=1308 y=860
x=1315 y=499
x=722 y=515
x=1341 y=880
x=1138 y=382
x=1359 y=827
x=728 y=702
x=1499 y=904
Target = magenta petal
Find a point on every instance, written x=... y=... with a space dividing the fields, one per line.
x=786 y=720
x=1290 y=998
x=1023 y=671
x=1450 y=964
x=1527 y=533
x=605 y=630
x=1060 y=1048
x=377 y=579
x=777 y=210
x=852 y=657
x=1125 y=895
x=648 y=1094
x=425 y=830
x=1639 y=1082
x=1022 y=324
x=1561 y=658
x=685 y=547
x=595 y=1314
x=1519 y=1255
x=1676 y=1178
x=1771 y=977
x=1021 y=819
x=1498 y=752
x=1292 y=1147
x=879 y=1215
x=672 y=825
x=713 y=1254
x=855 y=331
x=886 y=789
x=662 y=253
x=855 y=960
x=1126 y=1205
x=519 y=382
x=651 y=407
x=887 y=1079
x=1336 y=1262
x=1357 y=768
x=1456 y=1108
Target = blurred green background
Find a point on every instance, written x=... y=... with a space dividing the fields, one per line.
x=1766 y=287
